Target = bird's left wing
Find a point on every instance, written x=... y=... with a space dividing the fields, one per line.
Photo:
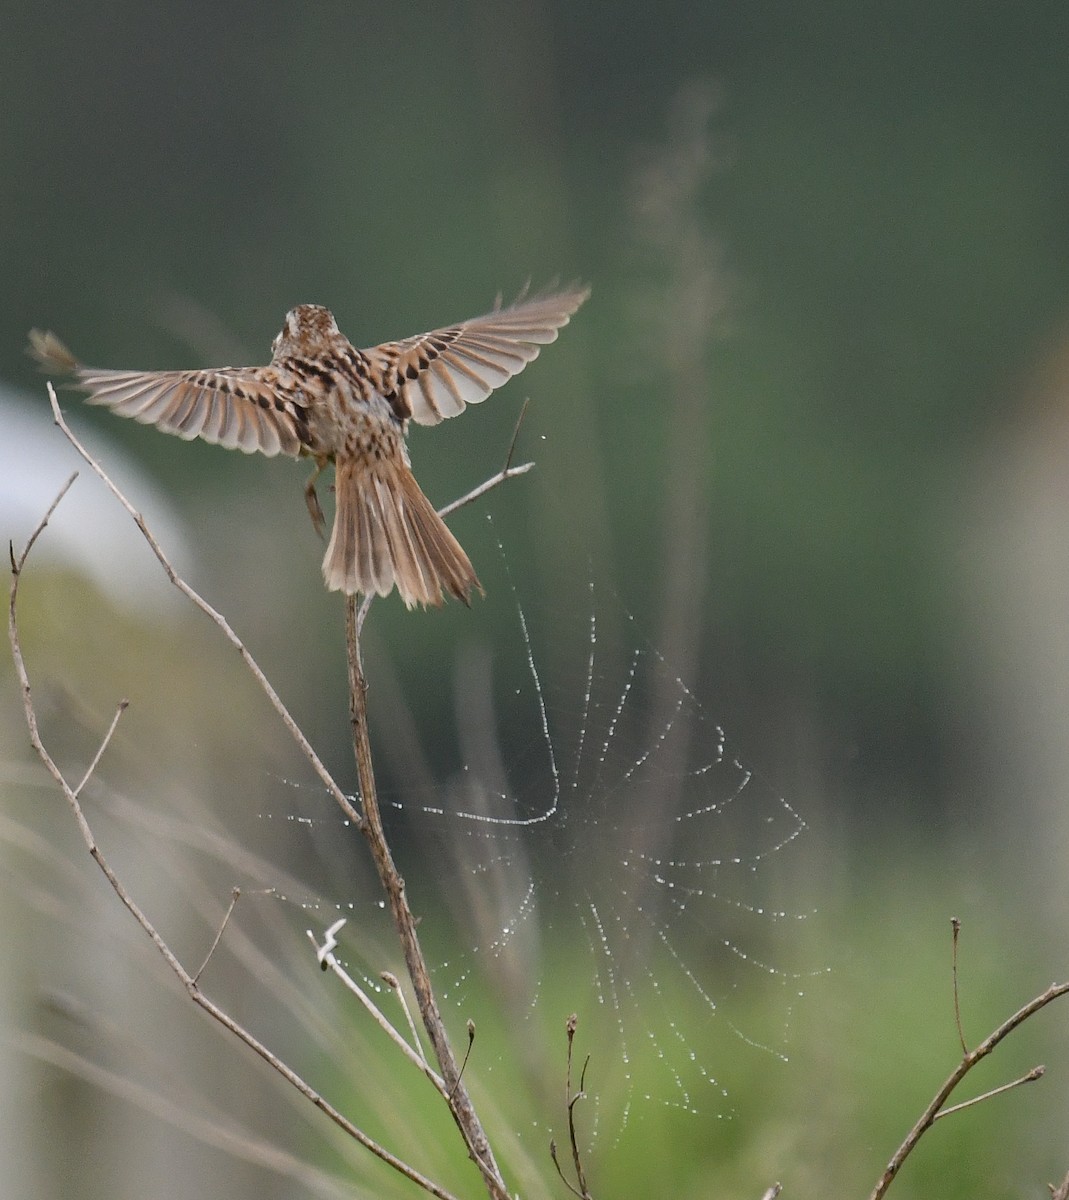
x=242 y=408
x=436 y=375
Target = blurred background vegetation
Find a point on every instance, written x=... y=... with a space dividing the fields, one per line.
x=811 y=431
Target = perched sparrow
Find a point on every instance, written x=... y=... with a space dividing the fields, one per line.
x=323 y=398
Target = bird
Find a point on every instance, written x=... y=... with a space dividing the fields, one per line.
x=320 y=397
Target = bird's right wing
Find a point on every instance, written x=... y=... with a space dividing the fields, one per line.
x=242 y=408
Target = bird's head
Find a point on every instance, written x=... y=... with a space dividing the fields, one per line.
x=309 y=329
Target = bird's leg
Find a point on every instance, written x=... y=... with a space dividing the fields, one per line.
x=315 y=509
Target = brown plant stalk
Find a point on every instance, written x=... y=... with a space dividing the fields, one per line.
x=368 y=821
x=460 y=1104
x=937 y=1106
x=188 y=981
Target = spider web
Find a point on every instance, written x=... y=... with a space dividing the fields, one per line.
x=607 y=853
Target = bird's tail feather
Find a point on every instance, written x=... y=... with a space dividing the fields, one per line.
x=387 y=533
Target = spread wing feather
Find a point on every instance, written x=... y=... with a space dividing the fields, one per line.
x=241 y=408
x=436 y=375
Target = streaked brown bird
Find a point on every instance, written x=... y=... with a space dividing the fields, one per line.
x=323 y=398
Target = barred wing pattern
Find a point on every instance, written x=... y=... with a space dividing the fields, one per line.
x=241 y=408
x=322 y=397
x=436 y=375
x=426 y=378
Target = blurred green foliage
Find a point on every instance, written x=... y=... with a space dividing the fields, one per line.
x=887 y=190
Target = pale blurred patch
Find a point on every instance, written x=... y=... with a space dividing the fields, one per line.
x=90 y=533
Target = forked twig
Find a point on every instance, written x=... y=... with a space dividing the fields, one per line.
x=394 y=984
x=235 y=895
x=508 y=471
x=196 y=599
x=969 y=1060
x=16 y=566
x=460 y=1104
x=955 y=926
x=572 y=1098
x=188 y=981
x=1027 y=1077
x=369 y=822
x=330 y=962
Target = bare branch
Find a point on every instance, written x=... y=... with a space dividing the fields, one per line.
x=122 y=707
x=460 y=1104
x=16 y=567
x=955 y=925
x=414 y=1055
x=235 y=895
x=773 y=1192
x=506 y=472
x=483 y=488
x=1028 y=1077
x=215 y=617
x=969 y=1060
x=187 y=981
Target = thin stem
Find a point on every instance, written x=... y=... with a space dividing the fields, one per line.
x=195 y=598
x=187 y=980
x=1028 y=1077
x=955 y=926
x=572 y=1098
x=483 y=488
x=394 y=984
x=459 y=1101
x=412 y=1053
x=16 y=566
x=369 y=822
x=235 y=895
x=123 y=705
x=927 y=1118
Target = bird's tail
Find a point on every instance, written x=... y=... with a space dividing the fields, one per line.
x=386 y=532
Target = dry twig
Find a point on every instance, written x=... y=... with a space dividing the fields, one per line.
x=71 y=794
x=955 y=926
x=369 y=822
x=199 y=602
x=572 y=1098
x=970 y=1058
x=460 y=1104
x=413 y=1053
x=456 y=1094
x=235 y=896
